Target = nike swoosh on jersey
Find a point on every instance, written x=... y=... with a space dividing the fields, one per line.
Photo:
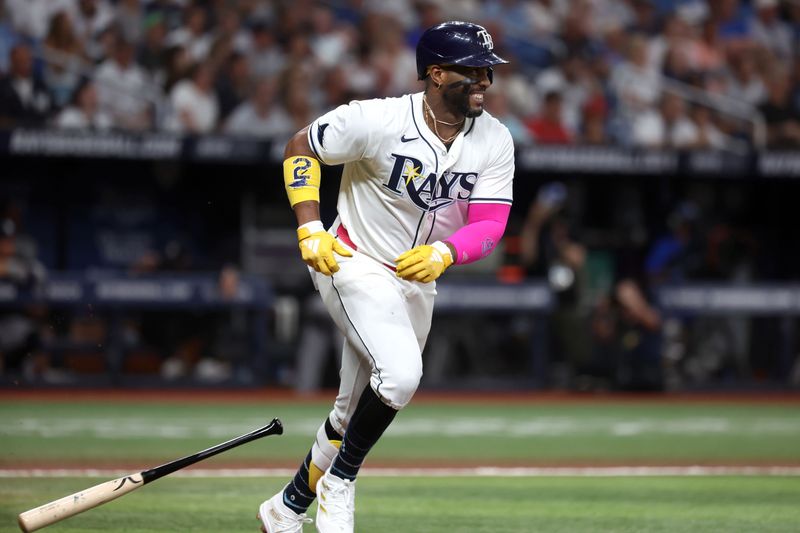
x=404 y=139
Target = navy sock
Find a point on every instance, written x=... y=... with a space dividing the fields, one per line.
x=300 y=493
x=370 y=420
x=297 y=495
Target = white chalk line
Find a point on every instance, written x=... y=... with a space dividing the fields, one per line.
x=481 y=471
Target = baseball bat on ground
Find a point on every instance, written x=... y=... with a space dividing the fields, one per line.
x=86 y=499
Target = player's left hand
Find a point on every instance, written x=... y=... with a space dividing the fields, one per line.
x=424 y=263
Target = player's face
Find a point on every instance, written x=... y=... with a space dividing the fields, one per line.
x=467 y=98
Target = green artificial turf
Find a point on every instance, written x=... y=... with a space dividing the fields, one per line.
x=442 y=505
x=103 y=434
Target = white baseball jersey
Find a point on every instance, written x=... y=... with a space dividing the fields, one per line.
x=400 y=185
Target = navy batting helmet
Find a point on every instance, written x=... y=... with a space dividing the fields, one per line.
x=456 y=43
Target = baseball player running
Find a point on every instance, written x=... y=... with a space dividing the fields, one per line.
x=426 y=184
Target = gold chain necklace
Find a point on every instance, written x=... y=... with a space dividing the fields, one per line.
x=429 y=111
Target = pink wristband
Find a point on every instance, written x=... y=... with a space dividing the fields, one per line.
x=485 y=226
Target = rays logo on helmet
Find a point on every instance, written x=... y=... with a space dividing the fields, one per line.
x=456 y=43
x=428 y=192
x=486 y=40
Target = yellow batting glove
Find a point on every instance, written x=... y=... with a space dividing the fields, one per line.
x=317 y=247
x=424 y=263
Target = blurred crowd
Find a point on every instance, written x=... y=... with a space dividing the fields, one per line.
x=607 y=328
x=721 y=74
x=677 y=74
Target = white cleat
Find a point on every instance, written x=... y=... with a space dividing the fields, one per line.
x=275 y=517
x=336 y=504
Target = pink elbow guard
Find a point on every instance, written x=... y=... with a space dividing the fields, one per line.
x=485 y=226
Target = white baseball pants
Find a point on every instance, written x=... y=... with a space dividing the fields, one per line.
x=385 y=321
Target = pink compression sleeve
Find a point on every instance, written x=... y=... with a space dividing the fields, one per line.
x=485 y=226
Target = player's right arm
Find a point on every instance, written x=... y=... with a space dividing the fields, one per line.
x=301 y=177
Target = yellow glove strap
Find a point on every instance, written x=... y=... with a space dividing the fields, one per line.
x=301 y=177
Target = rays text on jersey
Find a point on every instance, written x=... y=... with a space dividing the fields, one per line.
x=428 y=192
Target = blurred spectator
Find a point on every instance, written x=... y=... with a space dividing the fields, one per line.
x=576 y=37
x=183 y=338
x=613 y=50
x=319 y=344
x=170 y=11
x=768 y=30
x=298 y=105
x=795 y=82
x=573 y=79
x=124 y=89
x=729 y=17
x=91 y=18
x=194 y=103
x=20 y=337
x=229 y=36
x=300 y=60
x=233 y=83
x=645 y=18
x=359 y=71
x=336 y=88
x=551 y=249
x=636 y=84
x=331 y=40
x=744 y=81
x=707 y=135
x=548 y=126
x=229 y=350
x=83 y=112
x=265 y=56
x=497 y=105
x=546 y=17
x=429 y=13
x=667 y=127
x=64 y=57
x=261 y=115
x=24 y=98
x=626 y=334
x=677 y=256
x=513 y=16
x=177 y=67
x=781 y=116
x=395 y=63
x=31 y=17
x=674 y=37
x=707 y=52
x=153 y=54
x=193 y=35
x=594 y=130
x=8 y=37
x=129 y=16
x=793 y=9
x=677 y=66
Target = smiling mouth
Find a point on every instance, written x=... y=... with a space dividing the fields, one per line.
x=476 y=97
